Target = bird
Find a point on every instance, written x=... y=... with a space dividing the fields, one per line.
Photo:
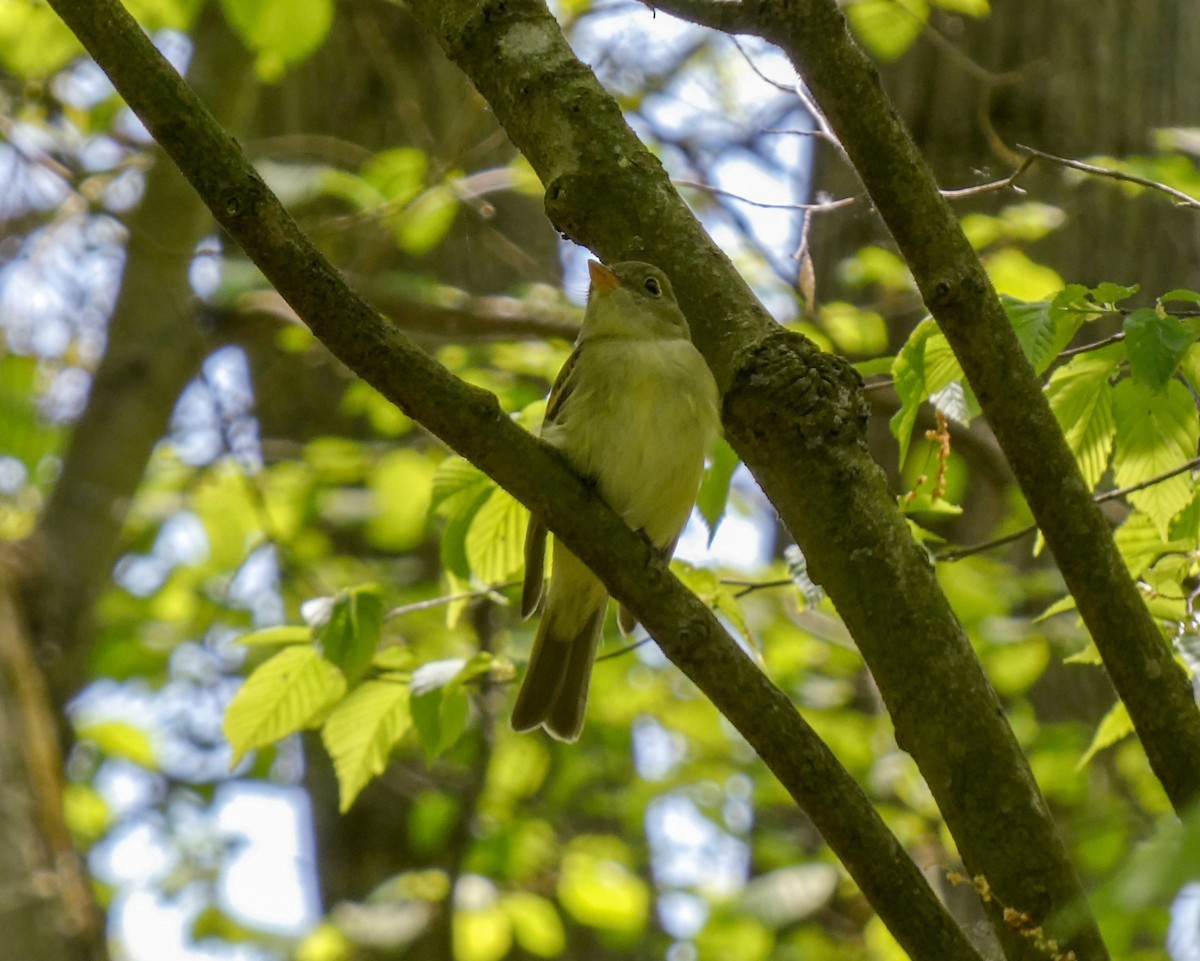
x=635 y=411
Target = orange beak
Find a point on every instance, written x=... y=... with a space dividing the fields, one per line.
x=602 y=278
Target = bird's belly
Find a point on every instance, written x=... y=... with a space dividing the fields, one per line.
x=644 y=444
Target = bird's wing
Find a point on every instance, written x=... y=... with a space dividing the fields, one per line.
x=535 y=535
x=564 y=386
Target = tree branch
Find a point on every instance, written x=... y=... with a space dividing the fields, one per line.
x=470 y=421
x=786 y=404
x=958 y=293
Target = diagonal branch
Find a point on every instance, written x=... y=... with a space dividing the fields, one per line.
x=469 y=420
x=796 y=417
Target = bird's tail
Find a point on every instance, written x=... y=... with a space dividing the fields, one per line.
x=554 y=692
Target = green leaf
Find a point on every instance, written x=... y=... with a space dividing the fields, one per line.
x=1180 y=295
x=281 y=32
x=887 y=28
x=1156 y=432
x=291 y=691
x=1156 y=344
x=925 y=365
x=362 y=730
x=284 y=634
x=1115 y=725
x=400 y=483
x=424 y=223
x=536 y=924
x=440 y=716
x=350 y=636
x=1111 y=294
x=482 y=934
x=1013 y=272
x=969 y=8
x=599 y=891
x=714 y=488
x=1140 y=543
x=1081 y=399
x=34 y=42
x=457 y=484
x=119 y=739
x=874 y=366
x=398 y=175
x=495 y=541
x=1042 y=329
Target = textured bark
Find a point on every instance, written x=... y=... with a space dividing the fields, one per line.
x=791 y=414
x=46 y=908
x=470 y=421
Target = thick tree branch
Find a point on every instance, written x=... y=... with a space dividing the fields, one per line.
x=795 y=417
x=470 y=421
x=960 y=296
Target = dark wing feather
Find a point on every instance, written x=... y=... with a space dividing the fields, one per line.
x=535 y=535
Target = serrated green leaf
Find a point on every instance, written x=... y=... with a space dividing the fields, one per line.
x=495 y=541
x=1115 y=725
x=1110 y=294
x=1042 y=330
x=1139 y=542
x=1155 y=344
x=291 y=691
x=1089 y=655
x=284 y=634
x=457 y=484
x=361 y=732
x=1061 y=606
x=1156 y=432
x=350 y=637
x=925 y=365
x=440 y=716
x=1081 y=399
x=714 y=488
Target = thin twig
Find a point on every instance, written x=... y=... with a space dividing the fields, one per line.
x=961 y=552
x=1185 y=200
x=490 y=592
x=1095 y=345
x=960 y=193
x=827 y=205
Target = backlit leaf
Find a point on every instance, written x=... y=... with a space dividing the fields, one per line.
x=289 y=692
x=1081 y=399
x=362 y=730
x=1156 y=432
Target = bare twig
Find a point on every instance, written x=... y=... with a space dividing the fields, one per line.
x=1184 y=200
x=959 y=553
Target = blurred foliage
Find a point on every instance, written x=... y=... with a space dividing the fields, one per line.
x=299 y=557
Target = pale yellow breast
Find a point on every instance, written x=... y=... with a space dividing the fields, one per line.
x=640 y=421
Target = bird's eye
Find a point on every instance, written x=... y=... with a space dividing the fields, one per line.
x=652 y=287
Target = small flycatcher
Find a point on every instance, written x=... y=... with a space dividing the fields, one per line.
x=635 y=409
